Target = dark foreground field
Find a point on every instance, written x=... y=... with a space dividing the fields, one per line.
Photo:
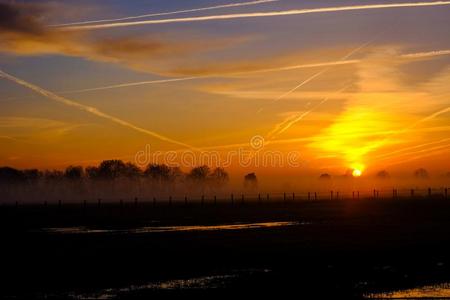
x=333 y=249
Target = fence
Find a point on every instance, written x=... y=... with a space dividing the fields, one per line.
x=260 y=198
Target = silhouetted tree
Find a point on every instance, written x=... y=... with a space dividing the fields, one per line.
x=325 y=176
x=421 y=173
x=219 y=177
x=111 y=169
x=131 y=171
x=74 y=172
x=199 y=174
x=32 y=174
x=383 y=174
x=92 y=172
x=158 y=172
x=9 y=175
x=53 y=175
x=250 y=181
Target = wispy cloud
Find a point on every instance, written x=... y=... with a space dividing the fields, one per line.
x=22 y=32
x=259 y=14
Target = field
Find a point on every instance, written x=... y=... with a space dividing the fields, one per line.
x=316 y=249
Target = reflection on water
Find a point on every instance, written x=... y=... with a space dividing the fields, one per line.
x=439 y=291
x=152 y=229
x=197 y=283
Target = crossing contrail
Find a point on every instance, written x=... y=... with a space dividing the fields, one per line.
x=409 y=127
x=287 y=124
x=90 y=109
x=168 y=13
x=320 y=72
x=122 y=85
x=279 y=69
x=428 y=152
x=257 y=15
x=399 y=152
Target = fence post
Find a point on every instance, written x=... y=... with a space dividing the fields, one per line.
x=293 y=197
x=331 y=195
x=267 y=197
x=185 y=200
x=412 y=193
x=215 y=200
x=259 y=198
x=353 y=195
x=315 y=195
x=357 y=195
x=337 y=195
x=429 y=192
x=309 y=196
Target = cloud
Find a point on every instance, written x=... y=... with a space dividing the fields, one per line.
x=382 y=103
x=25 y=129
x=22 y=32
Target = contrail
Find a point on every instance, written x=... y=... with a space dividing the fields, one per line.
x=432 y=116
x=299 y=117
x=168 y=13
x=393 y=153
x=286 y=68
x=257 y=15
x=323 y=71
x=90 y=110
x=122 y=85
x=429 y=152
x=427 y=118
x=426 y=54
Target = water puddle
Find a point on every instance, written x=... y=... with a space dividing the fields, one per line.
x=439 y=291
x=197 y=283
x=155 y=229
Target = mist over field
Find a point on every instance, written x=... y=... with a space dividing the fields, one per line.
x=115 y=181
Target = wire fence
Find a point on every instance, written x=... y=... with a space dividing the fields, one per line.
x=257 y=197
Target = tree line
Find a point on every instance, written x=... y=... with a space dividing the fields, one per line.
x=117 y=169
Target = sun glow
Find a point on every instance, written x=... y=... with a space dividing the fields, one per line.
x=356 y=173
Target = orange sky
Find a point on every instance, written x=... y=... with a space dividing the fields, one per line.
x=344 y=90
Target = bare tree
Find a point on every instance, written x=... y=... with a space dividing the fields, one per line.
x=250 y=181
x=219 y=177
x=421 y=173
x=383 y=175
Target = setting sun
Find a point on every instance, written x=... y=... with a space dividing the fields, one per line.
x=356 y=173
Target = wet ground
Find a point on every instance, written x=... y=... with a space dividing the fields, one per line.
x=347 y=248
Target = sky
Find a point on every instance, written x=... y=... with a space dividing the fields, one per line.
x=344 y=85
